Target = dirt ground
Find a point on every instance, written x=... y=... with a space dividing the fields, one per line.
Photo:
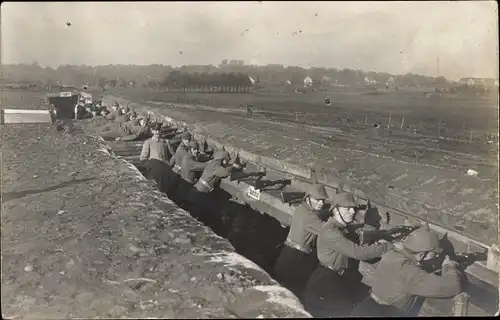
x=85 y=235
x=429 y=182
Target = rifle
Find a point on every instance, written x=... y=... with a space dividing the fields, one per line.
x=393 y=234
x=464 y=260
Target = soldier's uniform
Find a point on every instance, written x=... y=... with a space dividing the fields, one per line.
x=334 y=287
x=113 y=115
x=176 y=182
x=400 y=284
x=199 y=198
x=125 y=131
x=180 y=152
x=191 y=164
x=297 y=260
x=155 y=152
x=122 y=118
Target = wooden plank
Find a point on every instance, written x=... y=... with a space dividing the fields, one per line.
x=9 y=116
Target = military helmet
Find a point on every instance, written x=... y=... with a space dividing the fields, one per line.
x=221 y=155
x=194 y=145
x=317 y=191
x=186 y=135
x=422 y=240
x=345 y=199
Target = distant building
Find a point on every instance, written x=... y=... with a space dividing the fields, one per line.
x=478 y=82
x=308 y=81
x=390 y=84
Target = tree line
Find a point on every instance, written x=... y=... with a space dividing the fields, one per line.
x=155 y=75
x=178 y=81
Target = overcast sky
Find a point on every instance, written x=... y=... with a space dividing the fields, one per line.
x=395 y=37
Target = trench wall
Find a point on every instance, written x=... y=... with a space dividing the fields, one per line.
x=91 y=237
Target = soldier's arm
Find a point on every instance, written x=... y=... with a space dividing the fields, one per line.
x=145 y=151
x=429 y=285
x=174 y=155
x=222 y=172
x=131 y=137
x=361 y=252
x=313 y=223
x=198 y=166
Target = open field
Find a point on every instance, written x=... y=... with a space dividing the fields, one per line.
x=422 y=178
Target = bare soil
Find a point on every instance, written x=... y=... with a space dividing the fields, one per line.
x=85 y=235
x=421 y=178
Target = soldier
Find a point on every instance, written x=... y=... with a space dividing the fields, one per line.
x=199 y=199
x=155 y=152
x=296 y=261
x=399 y=280
x=180 y=152
x=114 y=113
x=122 y=117
x=190 y=163
x=125 y=131
x=339 y=254
x=132 y=115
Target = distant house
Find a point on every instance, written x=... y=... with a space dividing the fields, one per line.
x=370 y=83
x=478 y=82
x=308 y=81
x=390 y=84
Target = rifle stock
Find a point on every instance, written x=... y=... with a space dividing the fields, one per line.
x=396 y=233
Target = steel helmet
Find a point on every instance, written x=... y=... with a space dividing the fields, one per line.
x=345 y=199
x=186 y=136
x=422 y=240
x=221 y=155
x=194 y=145
x=317 y=191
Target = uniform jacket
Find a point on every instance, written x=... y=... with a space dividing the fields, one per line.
x=399 y=281
x=154 y=149
x=122 y=119
x=212 y=175
x=305 y=226
x=112 y=115
x=131 y=132
x=180 y=152
x=189 y=166
x=338 y=250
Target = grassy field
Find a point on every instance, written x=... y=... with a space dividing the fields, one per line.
x=477 y=114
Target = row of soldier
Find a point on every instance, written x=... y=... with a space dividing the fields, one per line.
x=319 y=261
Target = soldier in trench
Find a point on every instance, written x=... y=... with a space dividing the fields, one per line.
x=125 y=131
x=400 y=284
x=176 y=162
x=192 y=164
x=114 y=113
x=180 y=152
x=297 y=261
x=156 y=154
x=333 y=289
x=200 y=200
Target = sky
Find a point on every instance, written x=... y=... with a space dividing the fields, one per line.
x=394 y=37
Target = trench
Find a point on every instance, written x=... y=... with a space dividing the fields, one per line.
x=254 y=235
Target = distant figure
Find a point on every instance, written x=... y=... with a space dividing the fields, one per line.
x=249 y=110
